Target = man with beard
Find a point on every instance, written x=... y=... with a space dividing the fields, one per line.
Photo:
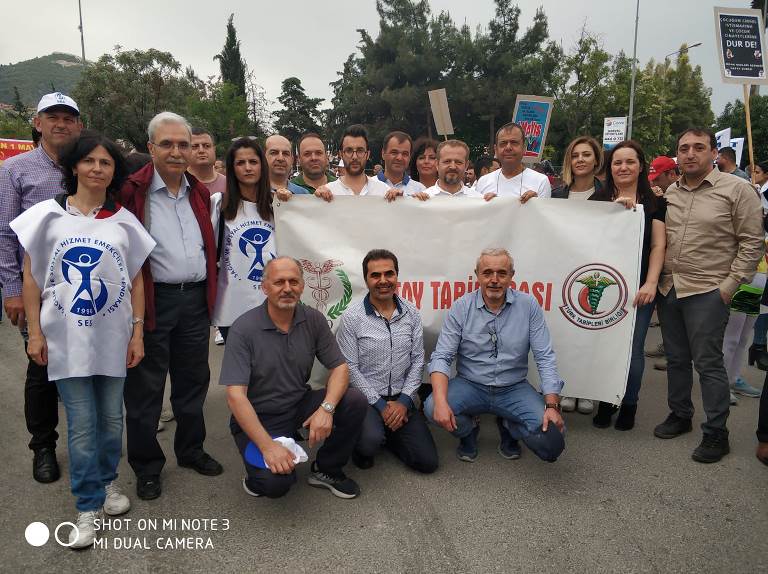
x=267 y=362
x=452 y=160
x=25 y=180
x=355 y=153
x=513 y=179
x=382 y=339
x=314 y=163
x=280 y=162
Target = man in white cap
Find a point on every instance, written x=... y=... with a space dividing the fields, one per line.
x=25 y=180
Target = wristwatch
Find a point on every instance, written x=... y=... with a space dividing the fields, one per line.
x=555 y=406
x=328 y=407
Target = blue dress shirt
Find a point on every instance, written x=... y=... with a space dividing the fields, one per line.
x=492 y=349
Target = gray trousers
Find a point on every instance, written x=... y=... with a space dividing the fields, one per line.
x=692 y=329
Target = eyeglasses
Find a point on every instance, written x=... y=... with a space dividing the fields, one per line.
x=495 y=341
x=169 y=145
x=360 y=152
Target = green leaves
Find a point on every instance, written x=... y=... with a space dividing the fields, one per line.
x=336 y=310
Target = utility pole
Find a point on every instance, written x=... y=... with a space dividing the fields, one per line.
x=80 y=27
x=634 y=74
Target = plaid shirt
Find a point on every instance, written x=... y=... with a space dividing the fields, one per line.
x=25 y=180
x=385 y=357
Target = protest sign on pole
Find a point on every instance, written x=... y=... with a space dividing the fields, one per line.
x=738 y=146
x=438 y=101
x=741 y=51
x=723 y=138
x=614 y=131
x=10 y=148
x=533 y=114
x=579 y=260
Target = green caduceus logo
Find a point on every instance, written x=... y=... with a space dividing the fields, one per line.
x=592 y=292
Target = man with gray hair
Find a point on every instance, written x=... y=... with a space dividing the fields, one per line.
x=180 y=290
x=490 y=333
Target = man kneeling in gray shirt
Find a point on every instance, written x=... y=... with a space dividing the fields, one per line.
x=267 y=363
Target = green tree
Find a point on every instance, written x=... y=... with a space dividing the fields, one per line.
x=19 y=107
x=121 y=92
x=222 y=111
x=734 y=117
x=231 y=63
x=299 y=114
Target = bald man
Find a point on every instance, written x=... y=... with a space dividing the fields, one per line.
x=279 y=152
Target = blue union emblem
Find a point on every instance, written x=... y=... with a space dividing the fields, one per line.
x=84 y=260
x=252 y=242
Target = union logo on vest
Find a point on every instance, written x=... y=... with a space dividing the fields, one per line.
x=255 y=238
x=84 y=260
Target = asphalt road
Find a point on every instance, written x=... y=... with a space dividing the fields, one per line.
x=614 y=502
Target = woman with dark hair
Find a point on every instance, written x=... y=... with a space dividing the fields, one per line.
x=244 y=222
x=84 y=300
x=423 y=166
x=626 y=182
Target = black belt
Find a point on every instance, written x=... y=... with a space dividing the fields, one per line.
x=180 y=286
x=391 y=397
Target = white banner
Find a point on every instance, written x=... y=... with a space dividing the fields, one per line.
x=581 y=261
x=738 y=146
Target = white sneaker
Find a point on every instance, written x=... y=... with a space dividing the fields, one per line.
x=219 y=338
x=585 y=406
x=568 y=404
x=160 y=426
x=734 y=399
x=85 y=533
x=116 y=502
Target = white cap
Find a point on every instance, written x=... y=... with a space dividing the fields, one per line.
x=57 y=99
x=341 y=163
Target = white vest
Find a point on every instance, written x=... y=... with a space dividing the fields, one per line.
x=248 y=244
x=84 y=268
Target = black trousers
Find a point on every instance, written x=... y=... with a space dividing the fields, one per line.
x=762 y=421
x=179 y=346
x=331 y=457
x=412 y=443
x=41 y=406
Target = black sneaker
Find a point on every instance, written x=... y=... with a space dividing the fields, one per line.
x=362 y=462
x=247 y=490
x=602 y=418
x=467 y=449
x=672 y=427
x=626 y=419
x=339 y=484
x=712 y=448
x=148 y=487
x=509 y=448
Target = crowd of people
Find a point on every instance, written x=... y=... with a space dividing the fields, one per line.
x=114 y=268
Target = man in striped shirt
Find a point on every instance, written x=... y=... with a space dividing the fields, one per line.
x=382 y=339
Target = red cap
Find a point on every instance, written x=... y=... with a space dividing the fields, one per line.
x=659 y=165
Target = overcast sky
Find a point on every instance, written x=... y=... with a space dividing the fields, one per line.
x=311 y=39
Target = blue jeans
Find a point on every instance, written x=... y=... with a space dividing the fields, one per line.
x=94 y=407
x=637 y=362
x=519 y=404
x=761 y=327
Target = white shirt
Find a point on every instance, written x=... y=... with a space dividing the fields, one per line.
x=527 y=180
x=581 y=195
x=465 y=191
x=373 y=187
x=409 y=188
x=249 y=243
x=84 y=267
x=762 y=196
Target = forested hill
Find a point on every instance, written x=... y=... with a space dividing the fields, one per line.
x=54 y=72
